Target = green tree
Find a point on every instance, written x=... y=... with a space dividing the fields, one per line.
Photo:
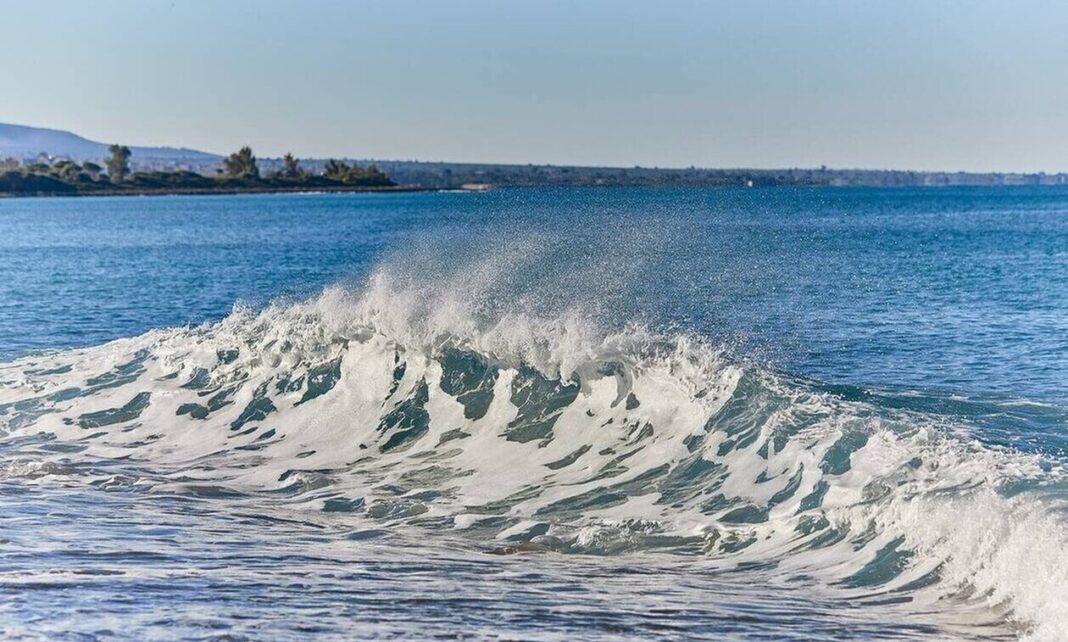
x=335 y=170
x=241 y=164
x=118 y=163
x=292 y=167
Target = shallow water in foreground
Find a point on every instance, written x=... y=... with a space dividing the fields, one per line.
x=783 y=414
x=177 y=570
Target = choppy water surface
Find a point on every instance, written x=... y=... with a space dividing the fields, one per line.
x=560 y=414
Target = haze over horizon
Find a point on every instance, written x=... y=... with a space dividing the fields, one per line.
x=915 y=85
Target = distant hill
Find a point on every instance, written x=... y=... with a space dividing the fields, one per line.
x=20 y=141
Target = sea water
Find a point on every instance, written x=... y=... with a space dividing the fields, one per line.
x=833 y=413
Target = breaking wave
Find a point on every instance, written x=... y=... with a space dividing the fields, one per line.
x=410 y=405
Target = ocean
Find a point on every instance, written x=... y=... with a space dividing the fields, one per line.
x=544 y=414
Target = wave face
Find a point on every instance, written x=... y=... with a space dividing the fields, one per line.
x=406 y=405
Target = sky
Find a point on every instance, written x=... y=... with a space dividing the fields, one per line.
x=932 y=84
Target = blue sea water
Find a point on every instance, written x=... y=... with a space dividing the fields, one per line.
x=835 y=413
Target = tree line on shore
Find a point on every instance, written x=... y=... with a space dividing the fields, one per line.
x=239 y=172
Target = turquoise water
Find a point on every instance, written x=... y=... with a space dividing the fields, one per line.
x=418 y=414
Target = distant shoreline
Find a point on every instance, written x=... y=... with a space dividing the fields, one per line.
x=239 y=174
x=226 y=191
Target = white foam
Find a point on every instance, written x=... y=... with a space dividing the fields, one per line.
x=912 y=484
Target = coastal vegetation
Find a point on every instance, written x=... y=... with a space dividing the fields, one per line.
x=118 y=163
x=241 y=164
x=239 y=172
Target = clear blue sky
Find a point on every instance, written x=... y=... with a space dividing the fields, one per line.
x=929 y=84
